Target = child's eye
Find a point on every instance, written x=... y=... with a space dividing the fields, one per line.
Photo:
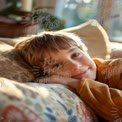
x=75 y=54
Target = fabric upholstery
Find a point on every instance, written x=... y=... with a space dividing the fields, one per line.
x=12 y=65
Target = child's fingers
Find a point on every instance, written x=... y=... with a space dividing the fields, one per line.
x=55 y=79
x=45 y=80
x=51 y=79
x=73 y=83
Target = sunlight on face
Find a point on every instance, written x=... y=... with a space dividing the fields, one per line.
x=71 y=62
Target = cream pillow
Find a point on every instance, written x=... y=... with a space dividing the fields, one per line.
x=95 y=38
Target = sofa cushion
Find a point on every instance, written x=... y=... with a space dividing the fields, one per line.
x=116 y=50
x=34 y=102
x=12 y=65
x=95 y=38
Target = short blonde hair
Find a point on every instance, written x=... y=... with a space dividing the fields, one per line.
x=33 y=49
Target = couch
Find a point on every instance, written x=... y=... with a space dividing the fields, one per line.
x=22 y=100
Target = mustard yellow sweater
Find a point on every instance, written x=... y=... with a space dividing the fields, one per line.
x=104 y=95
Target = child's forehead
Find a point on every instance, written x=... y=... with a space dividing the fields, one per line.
x=50 y=61
x=54 y=53
x=51 y=55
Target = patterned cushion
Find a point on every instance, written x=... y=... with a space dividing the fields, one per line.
x=34 y=102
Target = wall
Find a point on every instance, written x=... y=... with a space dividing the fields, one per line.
x=47 y=5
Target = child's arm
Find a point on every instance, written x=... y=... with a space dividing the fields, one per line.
x=105 y=101
x=73 y=83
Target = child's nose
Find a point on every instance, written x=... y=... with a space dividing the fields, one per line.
x=75 y=66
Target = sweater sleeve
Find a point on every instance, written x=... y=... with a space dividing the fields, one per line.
x=105 y=101
x=110 y=72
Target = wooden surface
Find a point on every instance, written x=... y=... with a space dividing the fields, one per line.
x=10 y=28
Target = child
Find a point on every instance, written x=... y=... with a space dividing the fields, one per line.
x=63 y=58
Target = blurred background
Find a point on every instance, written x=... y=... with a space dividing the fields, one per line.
x=60 y=14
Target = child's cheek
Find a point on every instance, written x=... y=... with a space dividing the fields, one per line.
x=64 y=73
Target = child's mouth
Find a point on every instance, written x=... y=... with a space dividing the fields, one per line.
x=80 y=75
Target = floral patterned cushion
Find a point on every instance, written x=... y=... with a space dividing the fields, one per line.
x=34 y=102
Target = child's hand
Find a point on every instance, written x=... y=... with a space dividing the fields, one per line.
x=71 y=82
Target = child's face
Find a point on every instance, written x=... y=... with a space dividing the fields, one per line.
x=72 y=62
